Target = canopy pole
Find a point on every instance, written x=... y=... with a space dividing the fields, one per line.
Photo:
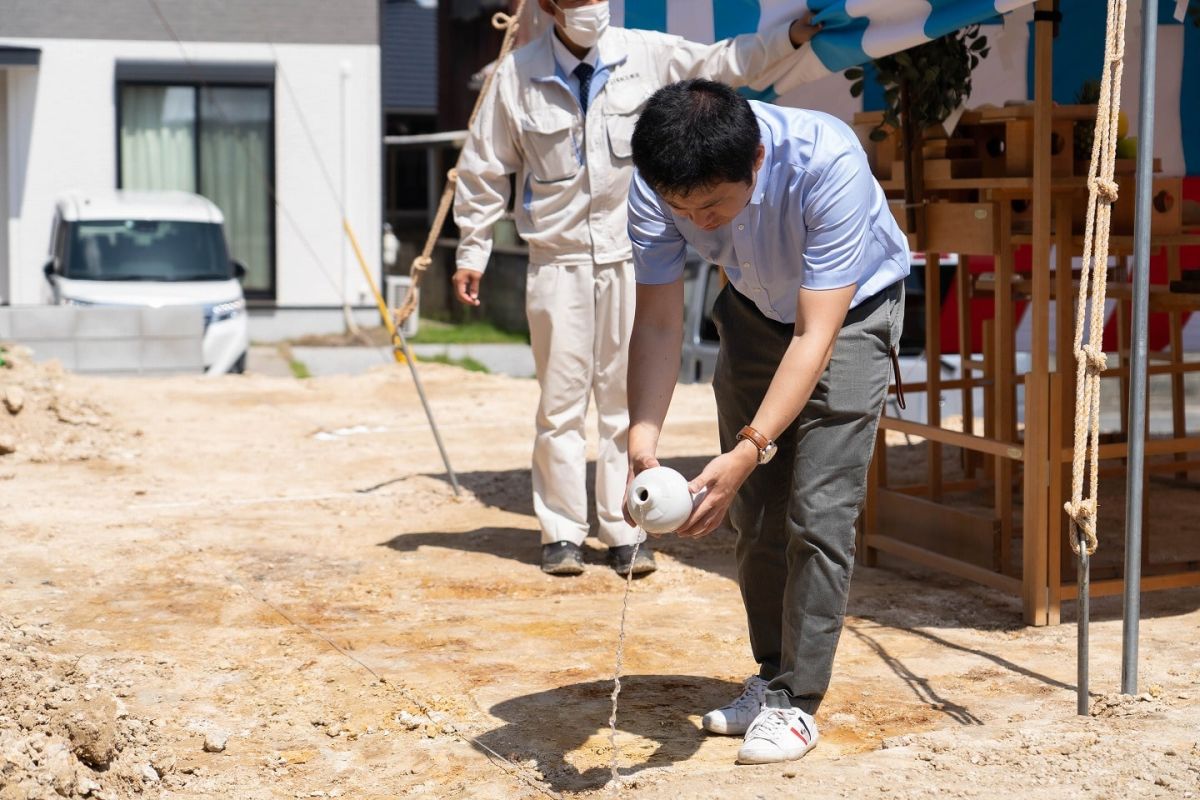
x=1083 y=567
x=1137 y=367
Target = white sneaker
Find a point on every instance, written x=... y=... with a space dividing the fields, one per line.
x=778 y=734
x=735 y=718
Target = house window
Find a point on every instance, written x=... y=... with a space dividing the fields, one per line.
x=214 y=140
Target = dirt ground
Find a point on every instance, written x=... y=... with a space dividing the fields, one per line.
x=252 y=587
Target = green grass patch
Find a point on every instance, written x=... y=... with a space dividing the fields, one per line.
x=474 y=332
x=432 y=331
x=466 y=362
x=299 y=368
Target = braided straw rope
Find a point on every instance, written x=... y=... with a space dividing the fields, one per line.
x=1090 y=360
x=501 y=22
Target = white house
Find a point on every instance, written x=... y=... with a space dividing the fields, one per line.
x=270 y=109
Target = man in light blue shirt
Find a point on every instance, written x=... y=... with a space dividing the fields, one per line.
x=784 y=200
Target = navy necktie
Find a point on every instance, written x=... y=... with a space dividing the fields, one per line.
x=584 y=73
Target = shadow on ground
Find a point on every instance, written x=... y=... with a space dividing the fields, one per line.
x=517 y=544
x=511 y=490
x=573 y=719
x=897 y=595
x=921 y=687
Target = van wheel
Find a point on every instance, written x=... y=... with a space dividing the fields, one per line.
x=239 y=366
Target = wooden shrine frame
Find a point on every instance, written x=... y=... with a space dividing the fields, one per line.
x=912 y=522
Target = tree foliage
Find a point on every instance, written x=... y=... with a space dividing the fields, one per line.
x=938 y=74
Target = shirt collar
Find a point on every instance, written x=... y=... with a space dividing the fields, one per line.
x=566 y=60
x=760 y=180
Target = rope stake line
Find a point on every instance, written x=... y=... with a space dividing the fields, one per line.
x=615 y=783
x=517 y=771
x=501 y=22
x=1090 y=360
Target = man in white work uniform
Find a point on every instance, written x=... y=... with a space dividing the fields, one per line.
x=560 y=118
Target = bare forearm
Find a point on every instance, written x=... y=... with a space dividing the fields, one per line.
x=653 y=366
x=819 y=318
x=803 y=362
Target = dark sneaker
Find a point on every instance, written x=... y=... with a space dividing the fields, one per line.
x=562 y=558
x=621 y=559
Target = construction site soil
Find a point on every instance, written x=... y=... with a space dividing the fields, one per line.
x=251 y=587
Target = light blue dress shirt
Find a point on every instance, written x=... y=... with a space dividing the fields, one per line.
x=817 y=219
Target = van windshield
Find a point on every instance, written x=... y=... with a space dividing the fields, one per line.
x=146 y=250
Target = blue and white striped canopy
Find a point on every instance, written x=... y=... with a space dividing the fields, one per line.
x=854 y=32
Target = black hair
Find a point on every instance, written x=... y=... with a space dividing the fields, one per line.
x=694 y=135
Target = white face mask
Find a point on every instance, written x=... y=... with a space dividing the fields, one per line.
x=585 y=25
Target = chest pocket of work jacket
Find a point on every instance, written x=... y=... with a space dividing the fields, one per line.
x=622 y=108
x=551 y=151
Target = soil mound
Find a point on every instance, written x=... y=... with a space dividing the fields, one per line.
x=46 y=415
x=64 y=731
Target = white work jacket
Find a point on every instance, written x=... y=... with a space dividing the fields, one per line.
x=573 y=172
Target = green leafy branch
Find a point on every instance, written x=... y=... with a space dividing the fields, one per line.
x=936 y=75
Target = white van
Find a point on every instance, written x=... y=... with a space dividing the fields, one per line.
x=151 y=249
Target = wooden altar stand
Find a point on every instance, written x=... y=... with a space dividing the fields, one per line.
x=989 y=189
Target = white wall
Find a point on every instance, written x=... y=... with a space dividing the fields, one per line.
x=1003 y=76
x=1168 y=81
x=830 y=94
x=19 y=112
x=5 y=187
x=71 y=144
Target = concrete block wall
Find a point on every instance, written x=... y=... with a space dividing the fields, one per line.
x=111 y=341
x=502 y=291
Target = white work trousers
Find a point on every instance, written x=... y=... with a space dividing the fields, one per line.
x=580 y=320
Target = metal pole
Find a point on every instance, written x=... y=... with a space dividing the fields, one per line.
x=1137 y=367
x=1081 y=657
x=437 y=437
x=345 y=75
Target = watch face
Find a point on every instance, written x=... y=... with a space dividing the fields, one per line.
x=767 y=453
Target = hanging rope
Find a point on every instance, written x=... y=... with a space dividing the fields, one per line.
x=1090 y=360
x=510 y=25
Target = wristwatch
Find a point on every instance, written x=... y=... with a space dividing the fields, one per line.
x=766 y=447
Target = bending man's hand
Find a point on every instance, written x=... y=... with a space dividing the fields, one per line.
x=466 y=285
x=722 y=478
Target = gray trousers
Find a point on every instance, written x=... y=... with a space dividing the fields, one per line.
x=795 y=516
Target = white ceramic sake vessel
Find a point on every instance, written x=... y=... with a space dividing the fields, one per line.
x=659 y=500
